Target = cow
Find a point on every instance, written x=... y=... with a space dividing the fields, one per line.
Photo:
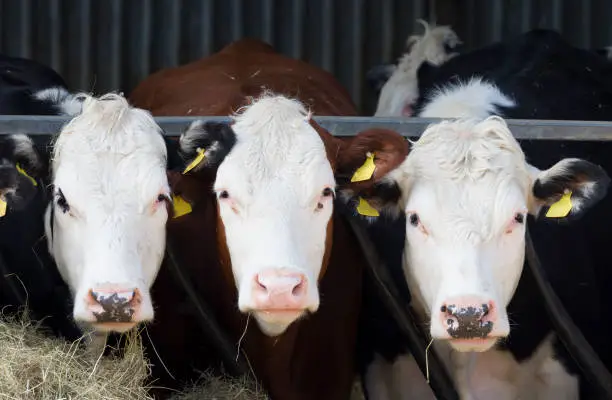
x=522 y=78
x=517 y=78
x=105 y=222
x=31 y=88
x=397 y=84
x=261 y=239
x=28 y=279
x=466 y=191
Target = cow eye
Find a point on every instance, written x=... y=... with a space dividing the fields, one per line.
x=61 y=202
x=223 y=194
x=414 y=220
x=162 y=197
x=327 y=192
x=519 y=218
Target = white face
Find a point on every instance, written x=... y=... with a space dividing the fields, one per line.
x=466 y=195
x=109 y=208
x=275 y=195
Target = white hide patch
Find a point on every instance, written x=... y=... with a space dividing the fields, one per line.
x=66 y=103
x=474 y=99
x=108 y=237
x=462 y=186
x=275 y=215
x=402 y=88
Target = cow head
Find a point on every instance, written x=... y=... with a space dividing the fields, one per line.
x=20 y=167
x=275 y=191
x=401 y=90
x=106 y=224
x=466 y=190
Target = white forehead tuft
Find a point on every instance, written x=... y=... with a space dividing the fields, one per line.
x=268 y=112
x=275 y=142
x=467 y=148
x=108 y=124
x=279 y=128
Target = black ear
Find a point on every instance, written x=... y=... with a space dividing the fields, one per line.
x=569 y=189
x=372 y=201
x=24 y=155
x=205 y=144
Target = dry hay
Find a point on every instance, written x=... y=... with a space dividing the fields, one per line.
x=35 y=366
x=213 y=387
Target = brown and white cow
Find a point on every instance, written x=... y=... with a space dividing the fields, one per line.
x=263 y=243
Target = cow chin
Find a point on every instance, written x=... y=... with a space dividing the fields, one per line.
x=276 y=322
x=473 y=345
x=119 y=327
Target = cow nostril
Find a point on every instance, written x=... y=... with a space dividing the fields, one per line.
x=485 y=310
x=298 y=289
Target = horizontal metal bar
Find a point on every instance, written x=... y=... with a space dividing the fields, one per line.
x=347 y=126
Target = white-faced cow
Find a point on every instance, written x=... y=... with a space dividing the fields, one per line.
x=27 y=274
x=466 y=191
x=105 y=226
x=263 y=242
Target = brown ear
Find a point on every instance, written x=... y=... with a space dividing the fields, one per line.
x=389 y=149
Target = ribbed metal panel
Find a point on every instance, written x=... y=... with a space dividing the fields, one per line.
x=104 y=45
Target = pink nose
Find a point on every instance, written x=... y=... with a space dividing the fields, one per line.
x=111 y=303
x=280 y=289
x=468 y=317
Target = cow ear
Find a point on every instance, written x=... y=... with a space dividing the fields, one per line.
x=568 y=189
x=366 y=163
x=205 y=144
x=27 y=159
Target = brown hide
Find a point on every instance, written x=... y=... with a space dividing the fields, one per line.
x=314 y=358
x=220 y=84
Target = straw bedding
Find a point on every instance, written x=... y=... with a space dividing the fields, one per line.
x=34 y=366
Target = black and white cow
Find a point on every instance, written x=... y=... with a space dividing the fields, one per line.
x=466 y=191
x=28 y=276
x=536 y=75
x=398 y=83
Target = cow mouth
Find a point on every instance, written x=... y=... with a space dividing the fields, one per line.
x=474 y=344
x=280 y=312
x=120 y=327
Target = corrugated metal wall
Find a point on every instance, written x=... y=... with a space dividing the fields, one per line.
x=104 y=45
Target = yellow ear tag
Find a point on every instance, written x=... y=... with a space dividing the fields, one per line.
x=562 y=207
x=364 y=208
x=366 y=171
x=22 y=172
x=2 y=207
x=181 y=207
x=196 y=161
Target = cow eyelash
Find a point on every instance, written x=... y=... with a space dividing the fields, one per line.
x=327 y=192
x=519 y=218
x=61 y=202
x=163 y=197
x=414 y=219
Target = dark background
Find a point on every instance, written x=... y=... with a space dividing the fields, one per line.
x=103 y=45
